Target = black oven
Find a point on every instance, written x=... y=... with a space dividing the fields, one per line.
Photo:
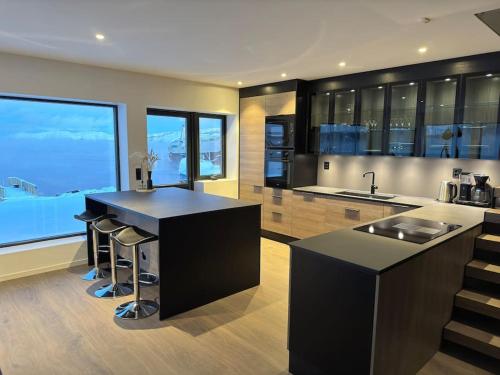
x=280 y=131
x=278 y=168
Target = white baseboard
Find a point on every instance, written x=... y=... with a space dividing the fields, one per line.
x=26 y=260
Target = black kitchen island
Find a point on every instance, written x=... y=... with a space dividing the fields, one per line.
x=208 y=246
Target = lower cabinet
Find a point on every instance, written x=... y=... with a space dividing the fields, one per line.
x=300 y=214
x=277 y=211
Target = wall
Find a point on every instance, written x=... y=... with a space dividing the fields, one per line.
x=223 y=187
x=404 y=176
x=133 y=92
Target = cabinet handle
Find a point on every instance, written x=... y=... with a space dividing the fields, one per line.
x=308 y=196
x=277 y=213
x=257 y=189
x=277 y=196
x=352 y=210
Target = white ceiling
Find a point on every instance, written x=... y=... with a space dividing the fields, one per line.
x=254 y=41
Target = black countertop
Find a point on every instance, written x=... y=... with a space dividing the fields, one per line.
x=167 y=202
x=374 y=253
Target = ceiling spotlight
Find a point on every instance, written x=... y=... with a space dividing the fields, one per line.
x=422 y=50
x=342 y=64
x=99 y=36
x=489 y=75
x=240 y=83
x=412 y=83
x=403 y=97
x=447 y=79
x=283 y=75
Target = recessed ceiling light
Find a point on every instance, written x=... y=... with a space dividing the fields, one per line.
x=380 y=87
x=283 y=75
x=342 y=64
x=240 y=83
x=489 y=75
x=412 y=83
x=403 y=97
x=422 y=50
x=447 y=79
x=99 y=36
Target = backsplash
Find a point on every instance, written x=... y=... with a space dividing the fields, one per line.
x=405 y=176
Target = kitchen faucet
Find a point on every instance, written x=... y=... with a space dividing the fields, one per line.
x=373 y=187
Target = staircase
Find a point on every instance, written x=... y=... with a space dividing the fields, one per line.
x=475 y=323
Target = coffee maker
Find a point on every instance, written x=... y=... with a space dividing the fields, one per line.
x=465 y=190
x=482 y=193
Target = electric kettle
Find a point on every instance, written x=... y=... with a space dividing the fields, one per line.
x=447 y=191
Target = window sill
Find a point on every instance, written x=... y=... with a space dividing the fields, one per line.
x=42 y=244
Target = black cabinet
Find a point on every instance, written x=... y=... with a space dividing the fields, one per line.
x=371 y=121
x=479 y=132
x=439 y=129
x=403 y=119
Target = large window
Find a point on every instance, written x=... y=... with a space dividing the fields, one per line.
x=52 y=154
x=190 y=146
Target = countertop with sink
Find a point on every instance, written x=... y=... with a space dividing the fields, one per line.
x=376 y=253
x=378 y=197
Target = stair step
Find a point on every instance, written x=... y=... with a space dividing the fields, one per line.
x=473 y=338
x=492 y=216
x=478 y=302
x=488 y=242
x=483 y=271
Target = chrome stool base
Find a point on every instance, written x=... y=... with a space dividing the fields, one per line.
x=136 y=310
x=95 y=274
x=111 y=291
x=124 y=263
x=145 y=278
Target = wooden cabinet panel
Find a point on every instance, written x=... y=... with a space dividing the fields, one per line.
x=343 y=213
x=280 y=104
x=251 y=193
x=390 y=209
x=308 y=215
x=275 y=221
x=252 y=123
x=278 y=200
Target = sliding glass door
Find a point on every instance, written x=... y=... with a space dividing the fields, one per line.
x=190 y=146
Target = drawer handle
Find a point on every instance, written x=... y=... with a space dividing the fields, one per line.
x=277 y=213
x=257 y=188
x=352 y=210
x=308 y=197
x=277 y=216
x=277 y=196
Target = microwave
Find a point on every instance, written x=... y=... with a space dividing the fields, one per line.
x=280 y=131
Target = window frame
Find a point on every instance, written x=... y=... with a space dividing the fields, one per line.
x=196 y=146
x=117 y=156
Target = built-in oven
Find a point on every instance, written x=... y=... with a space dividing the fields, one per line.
x=278 y=168
x=280 y=131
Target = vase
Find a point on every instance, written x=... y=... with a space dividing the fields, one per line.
x=149 y=182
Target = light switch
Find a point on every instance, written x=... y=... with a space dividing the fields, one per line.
x=326 y=165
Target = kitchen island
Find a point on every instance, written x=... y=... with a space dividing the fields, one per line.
x=361 y=303
x=208 y=246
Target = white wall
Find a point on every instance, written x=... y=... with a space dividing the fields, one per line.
x=405 y=176
x=134 y=93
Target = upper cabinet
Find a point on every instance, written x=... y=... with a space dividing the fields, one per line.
x=479 y=133
x=403 y=119
x=372 y=120
x=439 y=131
x=449 y=117
x=280 y=104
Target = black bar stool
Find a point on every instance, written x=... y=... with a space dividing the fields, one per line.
x=138 y=308
x=114 y=289
x=91 y=218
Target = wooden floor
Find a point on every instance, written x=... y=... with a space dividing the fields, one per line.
x=51 y=324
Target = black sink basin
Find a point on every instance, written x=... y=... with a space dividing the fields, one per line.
x=366 y=195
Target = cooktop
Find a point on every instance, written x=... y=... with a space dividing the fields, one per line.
x=409 y=229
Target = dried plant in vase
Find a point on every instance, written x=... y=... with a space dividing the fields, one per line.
x=151 y=159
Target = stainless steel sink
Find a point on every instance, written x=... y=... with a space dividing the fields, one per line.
x=366 y=195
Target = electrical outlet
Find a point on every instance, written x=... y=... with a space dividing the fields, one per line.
x=456 y=172
x=326 y=165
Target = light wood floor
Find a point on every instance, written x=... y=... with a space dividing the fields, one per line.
x=51 y=324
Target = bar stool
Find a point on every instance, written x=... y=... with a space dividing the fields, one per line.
x=138 y=308
x=90 y=217
x=114 y=289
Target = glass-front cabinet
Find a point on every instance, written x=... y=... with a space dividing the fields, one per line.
x=403 y=118
x=479 y=133
x=449 y=117
x=371 y=121
x=440 y=130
